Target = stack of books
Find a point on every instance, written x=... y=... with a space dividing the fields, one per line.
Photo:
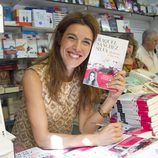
x=139 y=110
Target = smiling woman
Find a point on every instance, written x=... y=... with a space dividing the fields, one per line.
x=54 y=94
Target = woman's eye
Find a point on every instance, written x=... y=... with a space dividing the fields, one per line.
x=71 y=37
x=87 y=43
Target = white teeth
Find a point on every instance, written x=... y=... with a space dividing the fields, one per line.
x=74 y=55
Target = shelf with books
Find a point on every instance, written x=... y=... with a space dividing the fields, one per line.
x=47 y=3
x=125 y=14
x=9 y=2
x=38 y=29
x=77 y=7
x=11 y=27
x=12 y=94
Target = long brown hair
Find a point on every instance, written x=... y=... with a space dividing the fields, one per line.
x=56 y=68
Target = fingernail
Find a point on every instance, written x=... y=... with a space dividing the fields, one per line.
x=107 y=84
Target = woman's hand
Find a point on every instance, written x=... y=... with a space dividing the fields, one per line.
x=110 y=134
x=118 y=84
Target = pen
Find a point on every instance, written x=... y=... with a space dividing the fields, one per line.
x=101 y=124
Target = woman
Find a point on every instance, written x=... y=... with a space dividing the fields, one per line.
x=54 y=94
x=92 y=79
x=129 y=62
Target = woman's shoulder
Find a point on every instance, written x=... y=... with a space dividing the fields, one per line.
x=38 y=67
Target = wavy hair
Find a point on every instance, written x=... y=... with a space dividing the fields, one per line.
x=56 y=69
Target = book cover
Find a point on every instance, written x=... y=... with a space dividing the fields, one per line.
x=29 y=34
x=9 y=48
x=128 y=5
x=21 y=48
x=106 y=59
x=6 y=35
x=120 y=5
x=107 y=4
x=113 y=4
x=148 y=99
x=39 y=17
x=42 y=47
x=113 y=24
x=23 y=17
x=7 y=12
x=130 y=145
x=49 y=20
x=123 y=25
x=104 y=23
x=32 y=48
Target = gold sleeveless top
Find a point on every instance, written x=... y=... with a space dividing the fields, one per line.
x=60 y=115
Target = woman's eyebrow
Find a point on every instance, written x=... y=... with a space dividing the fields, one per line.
x=88 y=39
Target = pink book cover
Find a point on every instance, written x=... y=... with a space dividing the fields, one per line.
x=136 y=131
x=131 y=145
x=148 y=99
x=106 y=59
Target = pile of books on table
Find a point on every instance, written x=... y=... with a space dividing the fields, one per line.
x=139 y=110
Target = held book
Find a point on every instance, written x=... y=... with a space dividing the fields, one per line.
x=106 y=59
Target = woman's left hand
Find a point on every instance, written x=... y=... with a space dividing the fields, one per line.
x=118 y=84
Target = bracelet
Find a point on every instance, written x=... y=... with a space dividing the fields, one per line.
x=103 y=114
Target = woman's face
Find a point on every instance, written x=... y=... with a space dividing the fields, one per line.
x=75 y=45
x=130 y=50
x=92 y=76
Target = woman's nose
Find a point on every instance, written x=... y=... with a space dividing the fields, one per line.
x=78 y=46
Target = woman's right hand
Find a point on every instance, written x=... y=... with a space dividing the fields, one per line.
x=110 y=134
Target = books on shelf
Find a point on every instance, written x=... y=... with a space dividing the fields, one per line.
x=120 y=5
x=7 y=12
x=9 y=48
x=39 y=17
x=109 y=4
x=23 y=17
x=58 y=16
x=49 y=20
x=113 y=24
x=32 y=48
x=21 y=48
x=42 y=47
x=106 y=58
x=123 y=25
x=104 y=23
x=11 y=89
x=5 y=78
x=28 y=34
x=6 y=35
